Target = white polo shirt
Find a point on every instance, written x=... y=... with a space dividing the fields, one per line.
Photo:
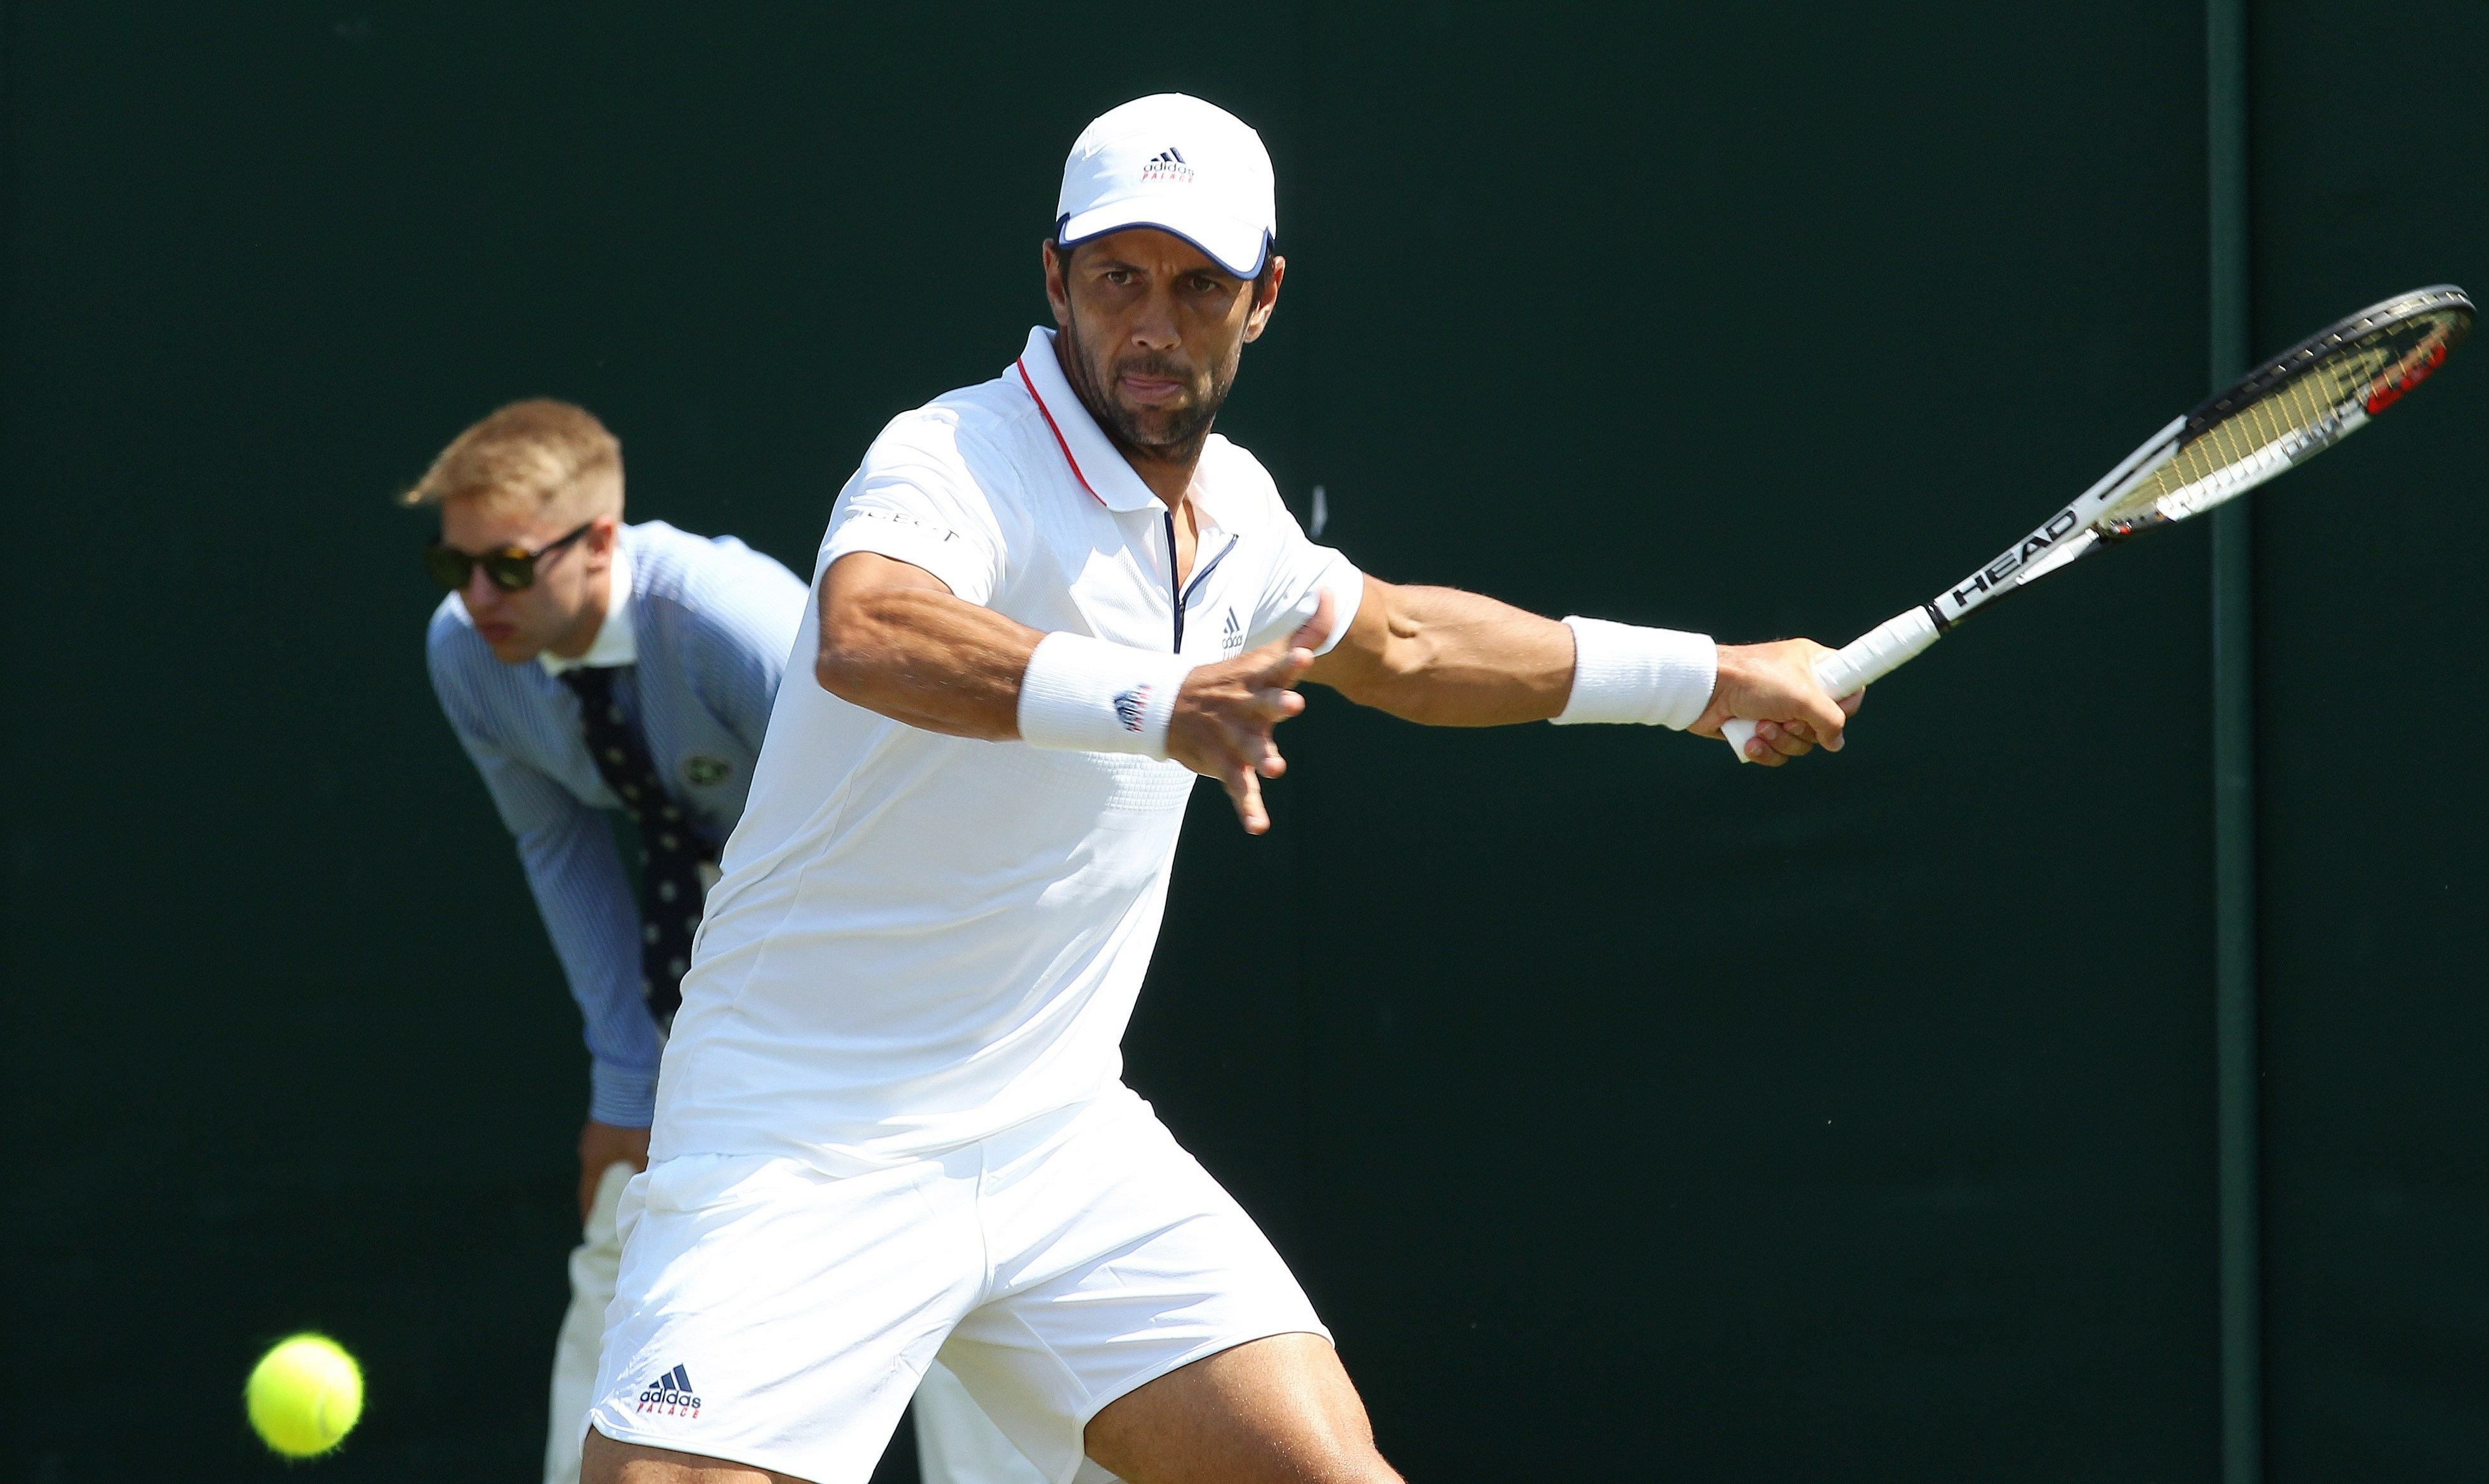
x=921 y=940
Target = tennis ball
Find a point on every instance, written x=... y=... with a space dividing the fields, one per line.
x=305 y=1395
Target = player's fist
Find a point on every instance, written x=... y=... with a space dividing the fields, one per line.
x=601 y=1147
x=1774 y=686
x=1226 y=713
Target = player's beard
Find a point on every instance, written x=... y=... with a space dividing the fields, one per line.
x=1173 y=433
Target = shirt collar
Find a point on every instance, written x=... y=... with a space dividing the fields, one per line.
x=617 y=641
x=1096 y=463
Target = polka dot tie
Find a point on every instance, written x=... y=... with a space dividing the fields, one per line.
x=670 y=855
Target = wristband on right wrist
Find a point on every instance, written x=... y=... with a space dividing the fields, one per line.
x=1656 y=677
x=1087 y=695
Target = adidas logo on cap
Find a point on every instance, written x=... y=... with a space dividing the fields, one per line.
x=1166 y=164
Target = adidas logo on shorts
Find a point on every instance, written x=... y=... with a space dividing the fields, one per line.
x=670 y=1395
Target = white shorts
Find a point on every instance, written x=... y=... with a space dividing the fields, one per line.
x=771 y=1315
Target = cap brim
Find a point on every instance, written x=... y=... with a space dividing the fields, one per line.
x=1235 y=246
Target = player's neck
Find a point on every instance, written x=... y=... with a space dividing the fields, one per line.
x=1169 y=477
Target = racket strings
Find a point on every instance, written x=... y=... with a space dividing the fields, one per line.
x=2315 y=407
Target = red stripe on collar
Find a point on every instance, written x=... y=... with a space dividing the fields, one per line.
x=1057 y=430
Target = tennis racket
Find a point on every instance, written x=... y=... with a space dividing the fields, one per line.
x=2282 y=414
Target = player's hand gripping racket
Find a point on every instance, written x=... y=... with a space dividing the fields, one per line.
x=2284 y=412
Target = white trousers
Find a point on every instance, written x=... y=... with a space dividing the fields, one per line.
x=954 y=1441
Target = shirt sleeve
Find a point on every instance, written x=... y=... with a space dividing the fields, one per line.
x=744 y=630
x=1300 y=573
x=917 y=499
x=575 y=872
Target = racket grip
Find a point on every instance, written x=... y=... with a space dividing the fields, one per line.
x=1863 y=661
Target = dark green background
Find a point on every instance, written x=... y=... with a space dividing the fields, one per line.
x=1630 y=1115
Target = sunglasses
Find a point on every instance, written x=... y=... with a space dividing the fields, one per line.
x=512 y=568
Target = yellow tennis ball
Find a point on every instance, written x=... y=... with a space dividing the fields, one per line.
x=305 y=1395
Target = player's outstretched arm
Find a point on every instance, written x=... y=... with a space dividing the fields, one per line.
x=1442 y=657
x=895 y=639
x=1446 y=658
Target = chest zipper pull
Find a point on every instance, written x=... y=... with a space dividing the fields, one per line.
x=1175 y=584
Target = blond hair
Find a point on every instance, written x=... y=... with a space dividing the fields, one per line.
x=542 y=454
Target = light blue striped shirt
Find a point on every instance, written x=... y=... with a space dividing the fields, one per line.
x=707 y=628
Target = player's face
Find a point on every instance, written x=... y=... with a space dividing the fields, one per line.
x=1153 y=329
x=550 y=614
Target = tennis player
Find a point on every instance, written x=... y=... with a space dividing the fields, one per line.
x=589 y=666
x=891 y=1125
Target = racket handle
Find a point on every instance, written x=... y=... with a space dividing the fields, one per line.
x=1865 y=660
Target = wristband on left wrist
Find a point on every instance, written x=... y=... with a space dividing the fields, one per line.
x=1089 y=695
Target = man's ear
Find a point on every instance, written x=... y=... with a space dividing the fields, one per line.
x=604 y=533
x=1058 y=293
x=1266 y=299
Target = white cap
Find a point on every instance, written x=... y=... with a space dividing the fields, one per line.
x=1178 y=165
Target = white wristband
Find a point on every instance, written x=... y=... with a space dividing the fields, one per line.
x=1656 y=677
x=1088 y=696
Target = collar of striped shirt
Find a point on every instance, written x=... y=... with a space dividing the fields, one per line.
x=616 y=642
